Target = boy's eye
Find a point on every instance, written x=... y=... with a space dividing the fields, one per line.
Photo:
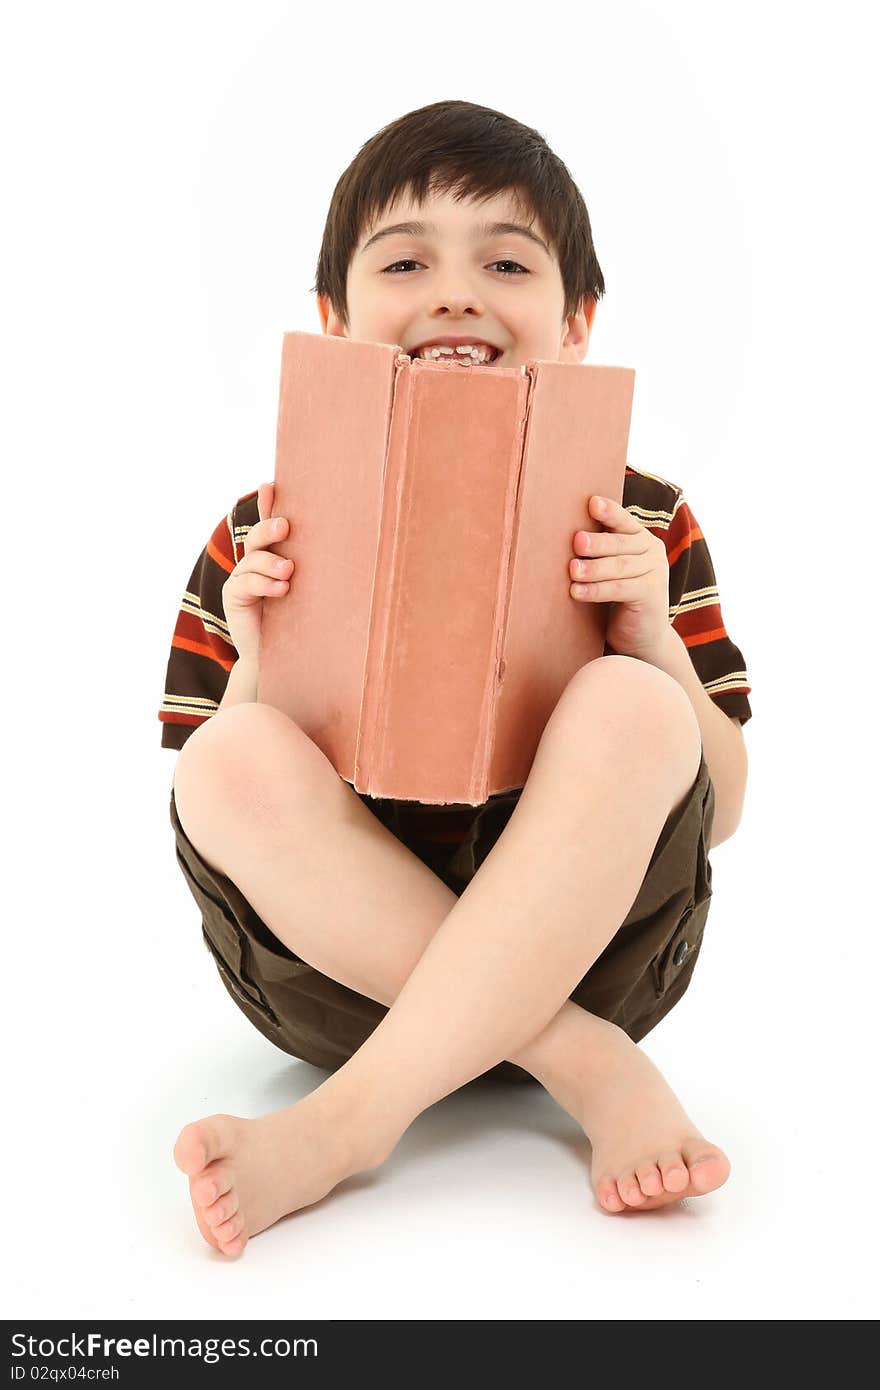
x=389 y=269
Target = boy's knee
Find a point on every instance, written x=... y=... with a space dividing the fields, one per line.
x=249 y=755
x=635 y=700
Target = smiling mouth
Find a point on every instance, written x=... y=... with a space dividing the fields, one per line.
x=461 y=359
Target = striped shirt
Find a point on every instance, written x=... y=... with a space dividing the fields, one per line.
x=202 y=653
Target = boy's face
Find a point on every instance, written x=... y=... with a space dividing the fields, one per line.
x=459 y=281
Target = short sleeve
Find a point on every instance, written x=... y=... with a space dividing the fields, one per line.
x=695 y=614
x=202 y=653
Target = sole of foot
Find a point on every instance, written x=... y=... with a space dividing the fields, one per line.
x=244 y=1175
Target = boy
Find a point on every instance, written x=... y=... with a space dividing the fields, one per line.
x=411 y=949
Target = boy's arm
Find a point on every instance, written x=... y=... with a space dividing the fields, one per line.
x=724 y=746
x=241 y=687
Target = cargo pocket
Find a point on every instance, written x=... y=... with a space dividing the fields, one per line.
x=674 y=964
x=230 y=948
x=275 y=963
x=221 y=932
x=253 y=1000
x=678 y=957
x=704 y=867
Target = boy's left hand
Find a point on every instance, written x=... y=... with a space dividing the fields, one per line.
x=625 y=565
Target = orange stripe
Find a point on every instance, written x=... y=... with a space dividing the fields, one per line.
x=694 y=534
x=699 y=638
x=201 y=649
x=194 y=719
x=218 y=557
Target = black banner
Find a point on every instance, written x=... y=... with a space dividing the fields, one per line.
x=312 y=1352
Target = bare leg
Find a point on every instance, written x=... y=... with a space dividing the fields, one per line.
x=486 y=976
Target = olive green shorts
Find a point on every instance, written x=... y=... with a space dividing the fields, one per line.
x=643 y=971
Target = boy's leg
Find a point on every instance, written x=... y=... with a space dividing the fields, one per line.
x=296 y=823
x=548 y=898
x=498 y=969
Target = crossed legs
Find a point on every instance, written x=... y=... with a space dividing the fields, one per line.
x=470 y=981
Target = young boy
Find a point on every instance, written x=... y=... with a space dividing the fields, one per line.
x=409 y=949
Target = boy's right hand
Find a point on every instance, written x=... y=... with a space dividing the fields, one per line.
x=259 y=574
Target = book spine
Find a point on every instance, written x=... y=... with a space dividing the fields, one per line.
x=380 y=640
x=453 y=476
x=505 y=583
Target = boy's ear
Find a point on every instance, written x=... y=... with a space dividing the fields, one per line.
x=330 y=320
x=579 y=325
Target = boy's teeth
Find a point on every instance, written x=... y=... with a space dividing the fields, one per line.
x=476 y=354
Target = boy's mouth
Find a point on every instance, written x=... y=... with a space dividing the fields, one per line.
x=464 y=355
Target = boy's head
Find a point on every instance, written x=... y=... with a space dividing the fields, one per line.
x=459 y=166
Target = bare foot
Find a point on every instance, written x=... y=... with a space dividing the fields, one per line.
x=244 y=1175
x=646 y=1151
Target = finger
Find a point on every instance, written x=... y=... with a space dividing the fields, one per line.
x=612 y=514
x=610 y=543
x=265 y=562
x=626 y=566
x=266 y=532
x=608 y=591
x=265 y=498
x=247 y=586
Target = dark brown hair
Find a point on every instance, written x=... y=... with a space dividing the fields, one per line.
x=474 y=152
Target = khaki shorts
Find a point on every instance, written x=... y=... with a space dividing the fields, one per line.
x=643 y=971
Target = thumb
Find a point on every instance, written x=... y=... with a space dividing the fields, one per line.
x=265 y=498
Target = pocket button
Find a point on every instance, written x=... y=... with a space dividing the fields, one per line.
x=681 y=951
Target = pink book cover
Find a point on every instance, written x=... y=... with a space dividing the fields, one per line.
x=429 y=630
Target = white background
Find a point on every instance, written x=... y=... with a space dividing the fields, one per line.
x=167 y=171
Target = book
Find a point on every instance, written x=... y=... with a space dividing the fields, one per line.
x=429 y=628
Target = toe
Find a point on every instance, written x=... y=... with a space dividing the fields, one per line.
x=228 y=1230
x=675 y=1174
x=650 y=1180
x=221 y=1210
x=214 y=1182
x=608 y=1195
x=709 y=1167
x=204 y=1228
x=189 y=1151
x=629 y=1190
x=235 y=1246
x=199 y=1143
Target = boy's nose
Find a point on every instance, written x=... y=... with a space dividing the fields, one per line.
x=457 y=302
